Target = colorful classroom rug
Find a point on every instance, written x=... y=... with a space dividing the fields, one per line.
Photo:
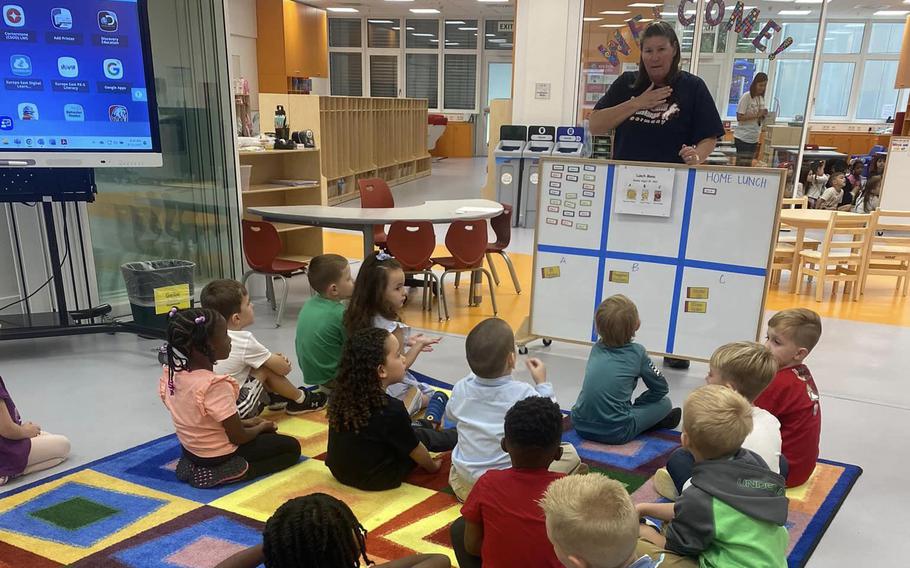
x=128 y=510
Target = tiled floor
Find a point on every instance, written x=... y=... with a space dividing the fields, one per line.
x=102 y=390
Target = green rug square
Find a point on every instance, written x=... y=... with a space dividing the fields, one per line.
x=630 y=480
x=74 y=513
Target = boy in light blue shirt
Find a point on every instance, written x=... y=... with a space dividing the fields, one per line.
x=479 y=402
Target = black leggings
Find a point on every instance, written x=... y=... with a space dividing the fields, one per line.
x=267 y=453
x=436 y=441
x=465 y=559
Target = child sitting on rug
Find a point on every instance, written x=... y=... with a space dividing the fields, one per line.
x=372 y=444
x=592 y=523
x=218 y=446
x=379 y=295
x=746 y=367
x=604 y=411
x=318 y=530
x=502 y=524
x=24 y=447
x=320 y=325
x=255 y=368
x=480 y=401
x=792 y=396
x=734 y=512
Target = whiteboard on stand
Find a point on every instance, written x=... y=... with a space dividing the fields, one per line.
x=698 y=275
x=895 y=190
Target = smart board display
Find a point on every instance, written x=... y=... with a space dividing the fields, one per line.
x=77 y=83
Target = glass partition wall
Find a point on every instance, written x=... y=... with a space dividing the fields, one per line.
x=851 y=62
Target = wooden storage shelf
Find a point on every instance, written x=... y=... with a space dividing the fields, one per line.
x=360 y=138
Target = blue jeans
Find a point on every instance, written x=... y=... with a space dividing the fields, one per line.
x=642 y=416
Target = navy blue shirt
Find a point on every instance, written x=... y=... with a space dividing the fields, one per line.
x=657 y=134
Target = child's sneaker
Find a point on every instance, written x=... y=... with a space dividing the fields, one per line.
x=436 y=408
x=314 y=401
x=4 y=479
x=664 y=485
x=205 y=477
x=668 y=422
x=277 y=402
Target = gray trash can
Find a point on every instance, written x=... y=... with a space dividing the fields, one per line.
x=155 y=286
x=508 y=166
x=540 y=144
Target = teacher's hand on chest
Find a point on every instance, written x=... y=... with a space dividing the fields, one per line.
x=652 y=97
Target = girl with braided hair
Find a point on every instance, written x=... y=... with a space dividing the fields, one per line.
x=320 y=531
x=218 y=447
x=372 y=444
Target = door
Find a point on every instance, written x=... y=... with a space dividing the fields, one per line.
x=497 y=84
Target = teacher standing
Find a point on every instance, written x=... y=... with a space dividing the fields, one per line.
x=750 y=113
x=660 y=114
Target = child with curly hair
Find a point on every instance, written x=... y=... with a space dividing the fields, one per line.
x=218 y=447
x=372 y=444
x=320 y=531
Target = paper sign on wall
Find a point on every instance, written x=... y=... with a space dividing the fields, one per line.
x=644 y=190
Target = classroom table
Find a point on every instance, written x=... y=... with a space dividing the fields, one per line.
x=802 y=219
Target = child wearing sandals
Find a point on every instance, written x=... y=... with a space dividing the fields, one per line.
x=218 y=447
x=24 y=447
x=379 y=295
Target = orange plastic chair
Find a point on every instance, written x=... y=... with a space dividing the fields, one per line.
x=502 y=227
x=375 y=194
x=412 y=244
x=467 y=242
x=261 y=247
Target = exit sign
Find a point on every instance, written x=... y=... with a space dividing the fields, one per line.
x=505 y=26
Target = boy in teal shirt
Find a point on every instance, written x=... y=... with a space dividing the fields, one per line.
x=604 y=411
x=320 y=331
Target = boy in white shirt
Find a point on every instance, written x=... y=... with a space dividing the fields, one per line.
x=832 y=196
x=479 y=402
x=256 y=369
x=748 y=368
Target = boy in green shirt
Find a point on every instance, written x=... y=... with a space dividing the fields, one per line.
x=320 y=331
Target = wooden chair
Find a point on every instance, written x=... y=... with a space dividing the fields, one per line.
x=889 y=254
x=793 y=202
x=842 y=255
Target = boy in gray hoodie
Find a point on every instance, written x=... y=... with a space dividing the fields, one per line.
x=734 y=511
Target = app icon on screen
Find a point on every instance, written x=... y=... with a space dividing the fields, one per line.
x=20 y=65
x=28 y=141
x=68 y=67
x=28 y=111
x=107 y=21
x=74 y=113
x=118 y=113
x=113 y=69
x=139 y=95
x=13 y=15
x=62 y=18
x=6 y=123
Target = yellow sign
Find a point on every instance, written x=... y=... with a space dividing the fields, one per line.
x=697 y=307
x=550 y=271
x=619 y=277
x=168 y=297
x=697 y=293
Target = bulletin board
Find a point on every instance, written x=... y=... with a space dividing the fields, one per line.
x=693 y=255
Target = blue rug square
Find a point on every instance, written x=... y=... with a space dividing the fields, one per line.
x=637 y=453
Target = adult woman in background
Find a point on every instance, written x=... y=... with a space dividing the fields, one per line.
x=750 y=114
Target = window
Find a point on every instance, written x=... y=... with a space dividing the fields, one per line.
x=460 y=82
x=877 y=98
x=804 y=36
x=422 y=74
x=346 y=74
x=498 y=36
x=886 y=38
x=384 y=34
x=344 y=32
x=791 y=87
x=461 y=34
x=422 y=34
x=843 y=38
x=384 y=76
x=832 y=97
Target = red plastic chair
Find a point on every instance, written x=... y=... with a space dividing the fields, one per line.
x=412 y=244
x=375 y=194
x=467 y=242
x=502 y=227
x=261 y=247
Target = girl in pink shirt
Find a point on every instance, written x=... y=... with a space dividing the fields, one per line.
x=218 y=447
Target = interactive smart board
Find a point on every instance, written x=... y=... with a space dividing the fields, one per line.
x=690 y=246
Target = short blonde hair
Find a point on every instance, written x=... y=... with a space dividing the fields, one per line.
x=616 y=320
x=802 y=325
x=716 y=420
x=747 y=366
x=591 y=516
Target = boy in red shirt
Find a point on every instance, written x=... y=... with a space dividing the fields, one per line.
x=792 y=396
x=502 y=523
